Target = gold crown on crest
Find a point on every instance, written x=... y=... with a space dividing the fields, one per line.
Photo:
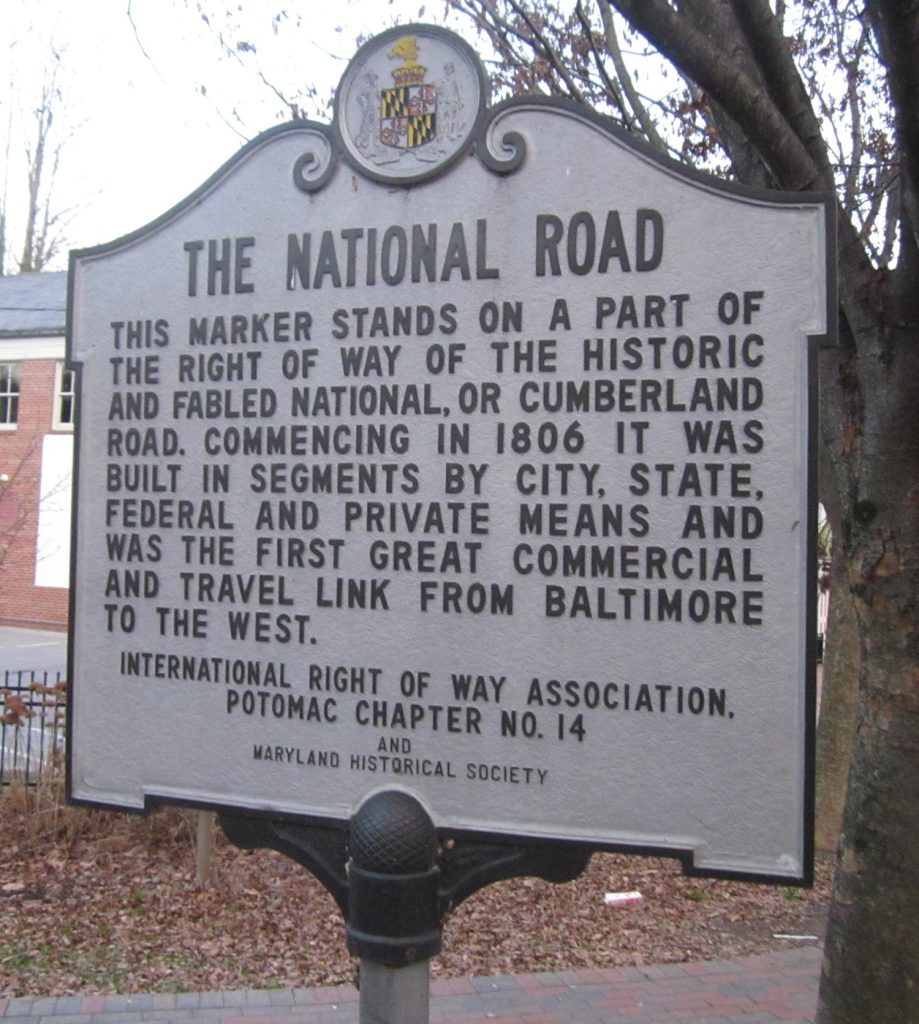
x=410 y=72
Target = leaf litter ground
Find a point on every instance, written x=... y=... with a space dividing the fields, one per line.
x=97 y=903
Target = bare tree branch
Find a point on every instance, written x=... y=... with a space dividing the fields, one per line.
x=763 y=31
x=778 y=145
x=503 y=36
x=548 y=51
x=140 y=44
x=678 y=38
x=851 y=67
x=39 y=243
x=897 y=27
x=610 y=86
x=625 y=79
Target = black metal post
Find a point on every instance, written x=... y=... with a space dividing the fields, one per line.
x=395 y=879
x=394 y=923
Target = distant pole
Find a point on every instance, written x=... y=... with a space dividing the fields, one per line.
x=204 y=847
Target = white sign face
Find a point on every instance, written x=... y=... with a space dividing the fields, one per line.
x=494 y=488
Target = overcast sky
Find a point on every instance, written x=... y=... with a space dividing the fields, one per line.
x=151 y=104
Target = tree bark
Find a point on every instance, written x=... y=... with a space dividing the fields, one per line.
x=872 y=949
x=897 y=25
x=839 y=701
x=840 y=415
x=742 y=95
x=870 y=966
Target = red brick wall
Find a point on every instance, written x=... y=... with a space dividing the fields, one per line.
x=21 y=602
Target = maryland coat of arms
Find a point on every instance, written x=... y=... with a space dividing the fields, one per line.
x=409 y=103
x=408 y=110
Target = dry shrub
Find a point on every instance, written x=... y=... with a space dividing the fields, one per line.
x=39 y=815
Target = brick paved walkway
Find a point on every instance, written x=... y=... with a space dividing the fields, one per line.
x=752 y=990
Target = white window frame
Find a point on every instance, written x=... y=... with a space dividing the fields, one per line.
x=14 y=364
x=61 y=370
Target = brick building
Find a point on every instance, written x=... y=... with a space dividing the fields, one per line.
x=36 y=451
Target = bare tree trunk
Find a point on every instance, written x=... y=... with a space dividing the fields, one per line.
x=33 y=243
x=839 y=701
x=871 y=972
x=42 y=223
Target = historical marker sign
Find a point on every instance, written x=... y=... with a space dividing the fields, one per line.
x=459 y=449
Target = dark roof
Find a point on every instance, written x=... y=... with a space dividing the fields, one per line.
x=33 y=304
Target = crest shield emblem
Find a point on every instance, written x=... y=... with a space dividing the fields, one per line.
x=410 y=104
x=408 y=110
x=408 y=116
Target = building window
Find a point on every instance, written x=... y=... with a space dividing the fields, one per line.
x=64 y=398
x=9 y=395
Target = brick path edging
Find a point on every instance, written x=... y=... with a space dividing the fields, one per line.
x=751 y=990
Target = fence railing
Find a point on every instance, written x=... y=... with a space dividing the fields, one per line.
x=33 y=708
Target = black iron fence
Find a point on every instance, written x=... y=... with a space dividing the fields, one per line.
x=33 y=708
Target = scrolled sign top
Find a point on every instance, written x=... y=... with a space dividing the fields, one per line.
x=409 y=104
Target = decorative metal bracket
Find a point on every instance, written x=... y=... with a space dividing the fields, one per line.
x=462 y=866
x=467 y=865
x=322 y=850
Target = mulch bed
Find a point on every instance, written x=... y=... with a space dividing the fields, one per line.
x=97 y=903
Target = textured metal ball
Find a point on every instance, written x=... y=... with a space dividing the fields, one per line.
x=391 y=833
